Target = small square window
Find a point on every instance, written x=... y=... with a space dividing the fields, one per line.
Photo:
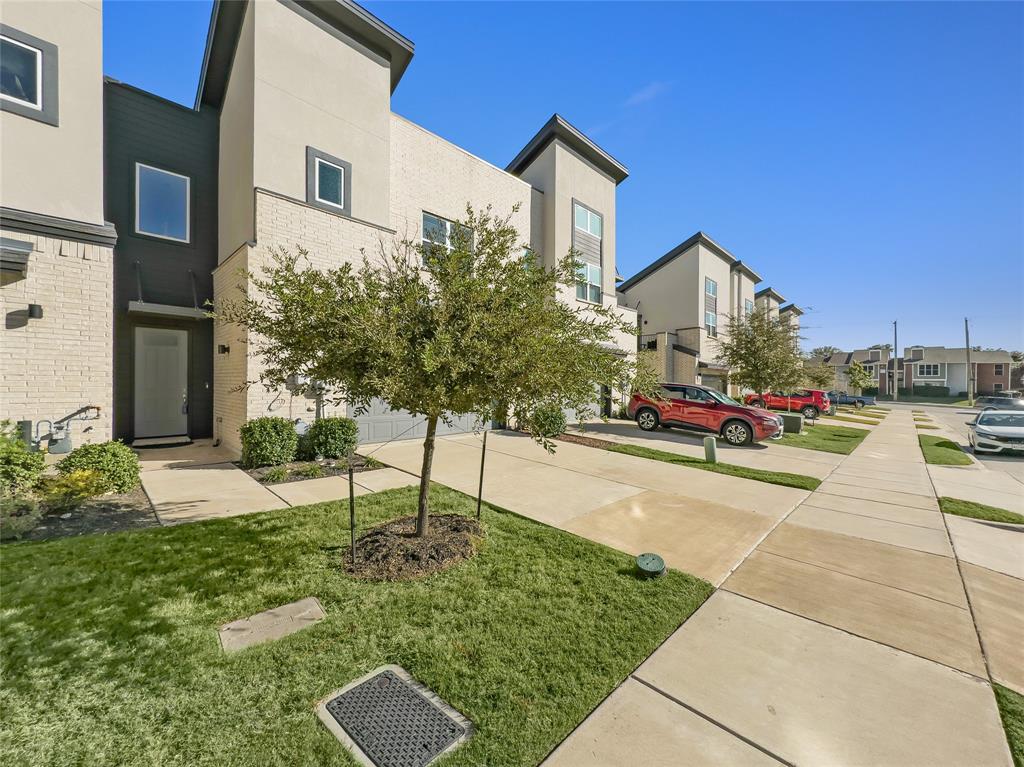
x=710 y=286
x=587 y=220
x=162 y=203
x=330 y=183
x=711 y=323
x=589 y=286
x=21 y=73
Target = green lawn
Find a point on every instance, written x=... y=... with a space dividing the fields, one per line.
x=851 y=419
x=926 y=426
x=110 y=654
x=774 y=477
x=1011 y=710
x=939 y=450
x=979 y=511
x=825 y=437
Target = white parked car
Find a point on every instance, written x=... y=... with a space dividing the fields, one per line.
x=995 y=431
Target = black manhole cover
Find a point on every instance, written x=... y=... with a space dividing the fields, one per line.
x=394 y=723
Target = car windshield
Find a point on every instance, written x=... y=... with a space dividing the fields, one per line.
x=1001 y=419
x=725 y=400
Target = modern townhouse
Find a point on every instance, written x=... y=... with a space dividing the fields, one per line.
x=291 y=144
x=945 y=371
x=874 y=361
x=683 y=303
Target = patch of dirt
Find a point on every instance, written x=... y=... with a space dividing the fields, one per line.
x=392 y=552
x=101 y=515
x=579 y=439
x=297 y=471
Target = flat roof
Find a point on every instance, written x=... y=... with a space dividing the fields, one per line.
x=560 y=129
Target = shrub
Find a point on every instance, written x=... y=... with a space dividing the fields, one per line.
x=68 y=491
x=332 y=437
x=268 y=441
x=548 y=421
x=869 y=391
x=310 y=471
x=17 y=517
x=275 y=475
x=114 y=462
x=20 y=467
x=931 y=390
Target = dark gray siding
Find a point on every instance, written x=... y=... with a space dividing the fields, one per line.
x=140 y=127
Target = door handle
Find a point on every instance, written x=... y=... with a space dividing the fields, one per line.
x=184 y=403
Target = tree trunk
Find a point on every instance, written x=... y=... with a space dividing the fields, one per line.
x=423 y=510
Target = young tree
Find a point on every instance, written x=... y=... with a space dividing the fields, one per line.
x=761 y=352
x=468 y=327
x=819 y=377
x=857 y=376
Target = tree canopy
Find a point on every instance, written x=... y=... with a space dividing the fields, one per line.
x=824 y=351
x=470 y=326
x=761 y=352
x=819 y=377
x=857 y=377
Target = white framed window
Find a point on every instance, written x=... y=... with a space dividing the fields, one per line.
x=440 y=232
x=588 y=221
x=711 y=323
x=748 y=307
x=869 y=369
x=329 y=184
x=997 y=369
x=710 y=287
x=589 y=286
x=997 y=387
x=21 y=73
x=163 y=203
x=928 y=369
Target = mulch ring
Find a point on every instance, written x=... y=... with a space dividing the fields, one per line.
x=297 y=471
x=103 y=514
x=392 y=552
x=579 y=439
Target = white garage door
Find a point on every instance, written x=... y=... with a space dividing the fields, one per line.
x=380 y=424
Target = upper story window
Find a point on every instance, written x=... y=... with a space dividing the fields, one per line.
x=589 y=286
x=28 y=75
x=328 y=182
x=869 y=369
x=997 y=369
x=441 y=232
x=711 y=323
x=748 y=307
x=710 y=287
x=162 y=203
x=928 y=369
x=875 y=354
x=588 y=221
x=588 y=228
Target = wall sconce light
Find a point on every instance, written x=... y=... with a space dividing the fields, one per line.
x=35 y=311
x=223 y=349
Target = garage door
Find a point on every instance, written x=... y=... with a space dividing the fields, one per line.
x=381 y=424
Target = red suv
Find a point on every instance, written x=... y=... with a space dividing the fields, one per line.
x=703 y=409
x=811 y=403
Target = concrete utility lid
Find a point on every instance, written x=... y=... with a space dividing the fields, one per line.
x=387 y=719
x=270 y=624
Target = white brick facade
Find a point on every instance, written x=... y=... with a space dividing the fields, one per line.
x=54 y=366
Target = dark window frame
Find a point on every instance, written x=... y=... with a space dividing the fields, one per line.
x=312 y=155
x=49 y=112
x=189 y=241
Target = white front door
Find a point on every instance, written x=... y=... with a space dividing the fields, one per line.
x=161 y=382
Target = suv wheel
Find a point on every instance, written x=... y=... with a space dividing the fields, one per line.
x=758 y=403
x=647 y=419
x=858 y=404
x=737 y=433
x=809 y=411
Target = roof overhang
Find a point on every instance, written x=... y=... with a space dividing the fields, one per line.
x=680 y=249
x=739 y=266
x=559 y=129
x=14 y=255
x=791 y=309
x=167 y=310
x=771 y=293
x=343 y=15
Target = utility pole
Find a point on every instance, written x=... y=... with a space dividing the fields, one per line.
x=970 y=370
x=895 y=364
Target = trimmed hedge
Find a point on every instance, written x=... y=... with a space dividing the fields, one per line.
x=331 y=438
x=20 y=467
x=114 y=463
x=548 y=421
x=268 y=441
x=930 y=390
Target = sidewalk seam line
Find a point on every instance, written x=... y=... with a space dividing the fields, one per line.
x=880 y=519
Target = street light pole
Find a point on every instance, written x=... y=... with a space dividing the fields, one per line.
x=895 y=364
x=970 y=372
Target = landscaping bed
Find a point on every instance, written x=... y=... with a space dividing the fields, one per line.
x=297 y=471
x=104 y=514
x=826 y=437
x=392 y=552
x=979 y=511
x=942 y=452
x=111 y=654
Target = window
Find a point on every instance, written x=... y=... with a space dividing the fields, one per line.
x=162 y=203
x=928 y=369
x=441 y=232
x=710 y=287
x=696 y=395
x=28 y=75
x=328 y=182
x=998 y=387
x=997 y=370
x=748 y=307
x=589 y=286
x=869 y=369
x=588 y=221
x=875 y=354
x=711 y=323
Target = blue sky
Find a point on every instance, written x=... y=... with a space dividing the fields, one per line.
x=866 y=158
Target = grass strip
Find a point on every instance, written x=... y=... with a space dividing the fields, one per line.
x=1011 y=711
x=525 y=639
x=979 y=511
x=850 y=419
x=760 y=475
x=942 y=452
x=926 y=426
x=826 y=437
